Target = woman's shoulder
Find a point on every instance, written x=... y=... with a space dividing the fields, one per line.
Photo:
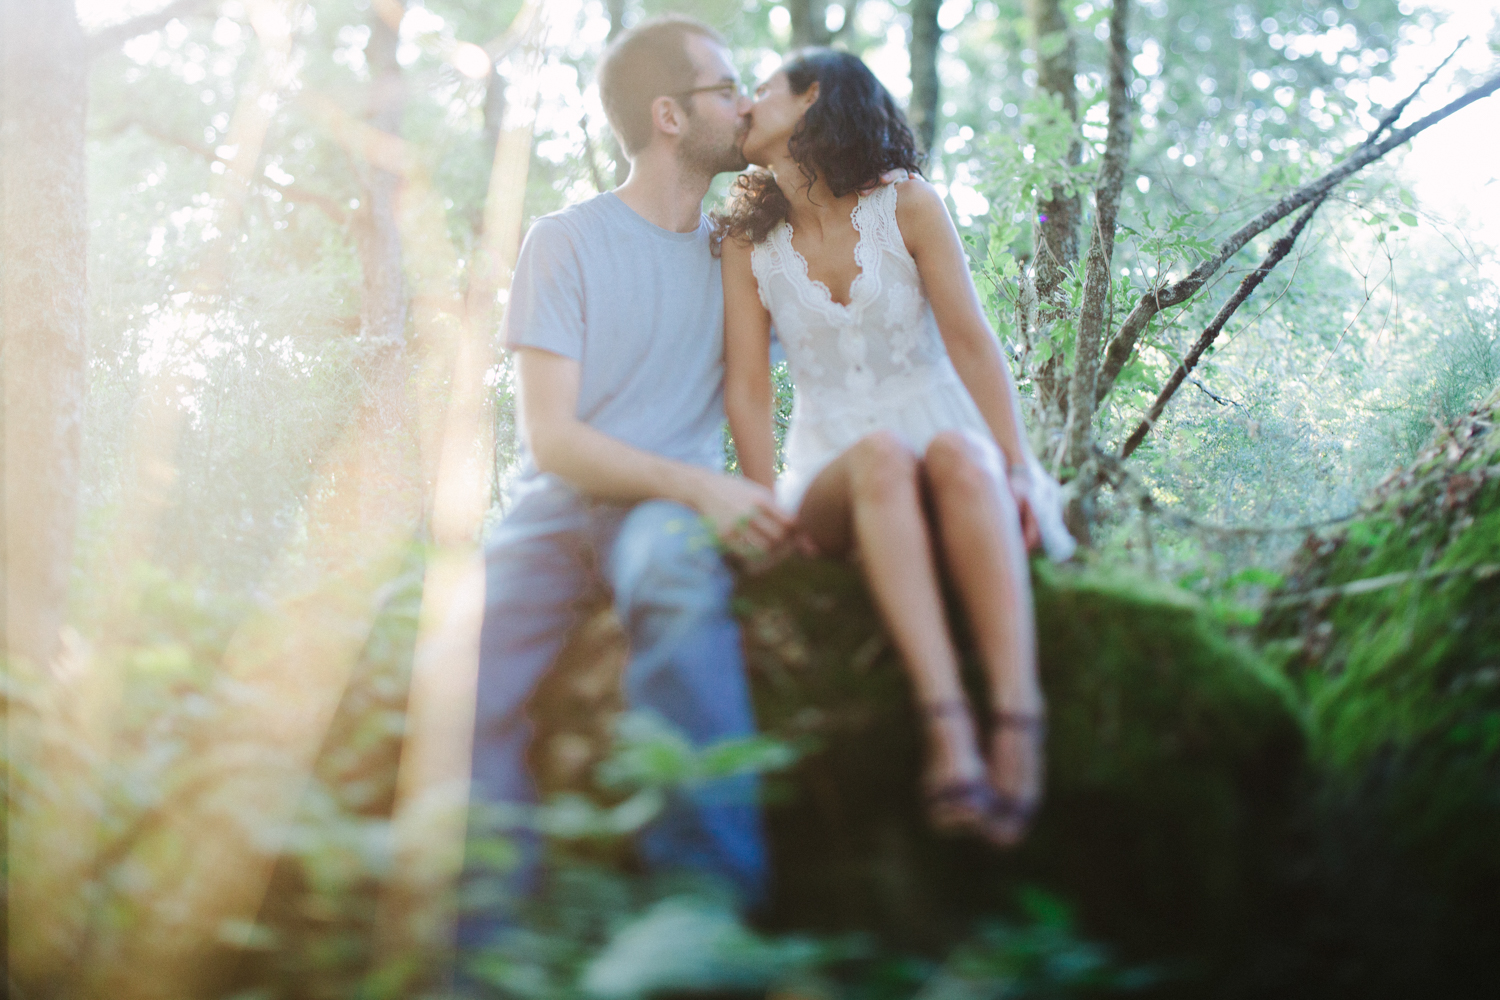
x=915 y=190
x=919 y=208
x=736 y=247
x=735 y=252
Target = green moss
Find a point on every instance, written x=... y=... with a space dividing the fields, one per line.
x=1402 y=687
x=1172 y=753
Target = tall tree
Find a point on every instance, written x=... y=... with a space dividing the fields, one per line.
x=1059 y=210
x=1099 y=270
x=44 y=220
x=376 y=231
x=926 y=40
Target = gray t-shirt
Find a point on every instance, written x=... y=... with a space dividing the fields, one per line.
x=641 y=309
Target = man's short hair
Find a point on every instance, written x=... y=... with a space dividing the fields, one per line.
x=646 y=62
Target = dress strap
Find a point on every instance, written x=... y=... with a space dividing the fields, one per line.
x=875 y=218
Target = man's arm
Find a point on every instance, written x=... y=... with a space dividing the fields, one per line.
x=743 y=513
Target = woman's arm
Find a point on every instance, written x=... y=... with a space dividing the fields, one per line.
x=748 y=396
x=933 y=243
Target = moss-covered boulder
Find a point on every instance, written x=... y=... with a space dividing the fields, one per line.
x=1390 y=626
x=1315 y=816
x=1173 y=757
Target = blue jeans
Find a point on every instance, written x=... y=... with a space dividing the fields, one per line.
x=671 y=590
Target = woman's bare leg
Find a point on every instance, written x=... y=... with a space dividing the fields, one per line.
x=869 y=500
x=980 y=533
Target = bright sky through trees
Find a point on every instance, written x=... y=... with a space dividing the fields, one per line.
x=1453 y=168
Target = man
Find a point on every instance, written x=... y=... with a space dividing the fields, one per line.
x=616 y=321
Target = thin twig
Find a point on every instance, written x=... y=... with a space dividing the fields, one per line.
x=1222 y=401
x=1390 y=116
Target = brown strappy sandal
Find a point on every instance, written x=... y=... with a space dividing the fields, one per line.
x=1017 y=813
x=965 y=805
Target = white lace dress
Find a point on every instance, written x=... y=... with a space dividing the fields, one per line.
x=876 y=364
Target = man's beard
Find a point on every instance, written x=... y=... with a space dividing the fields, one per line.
x=699 y=153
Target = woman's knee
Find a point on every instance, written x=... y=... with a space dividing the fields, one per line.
x=960 y=462
x=882 y=465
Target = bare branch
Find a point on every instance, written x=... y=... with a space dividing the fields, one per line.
x=1123 y=345
x=1390 y=116
x=1279 y=250
x=108 y=39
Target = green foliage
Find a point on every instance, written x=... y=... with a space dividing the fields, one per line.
x=691 y=943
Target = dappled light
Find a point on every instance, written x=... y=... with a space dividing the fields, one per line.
x=1241 y=261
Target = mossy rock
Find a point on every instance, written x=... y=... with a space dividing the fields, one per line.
x=1390 y=625
x=1173 y=762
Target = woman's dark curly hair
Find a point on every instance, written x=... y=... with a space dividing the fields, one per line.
x=851 y=135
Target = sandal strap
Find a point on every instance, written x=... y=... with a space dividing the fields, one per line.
x=1004 y=806
x=976 y=793
x=1029 y=722
x=944 y=709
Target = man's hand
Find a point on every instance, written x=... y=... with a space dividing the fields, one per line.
x=745 y=516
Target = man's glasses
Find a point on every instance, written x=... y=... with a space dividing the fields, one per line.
x=728 y=88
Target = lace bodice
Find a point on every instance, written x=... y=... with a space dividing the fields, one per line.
x=851 y=356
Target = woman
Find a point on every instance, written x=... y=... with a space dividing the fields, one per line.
x=906 y=428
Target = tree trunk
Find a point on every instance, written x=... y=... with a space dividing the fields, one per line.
x=926 y=37
x=4 y=246
x=376 y=230
x=45 y=232
x=494 y=121
x=809 y=23
x=388 y=472
x=1059 y=214
x=1098 y=276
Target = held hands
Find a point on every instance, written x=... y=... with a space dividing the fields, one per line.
x=747 y=520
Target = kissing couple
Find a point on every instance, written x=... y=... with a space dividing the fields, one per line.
x=637 y=323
